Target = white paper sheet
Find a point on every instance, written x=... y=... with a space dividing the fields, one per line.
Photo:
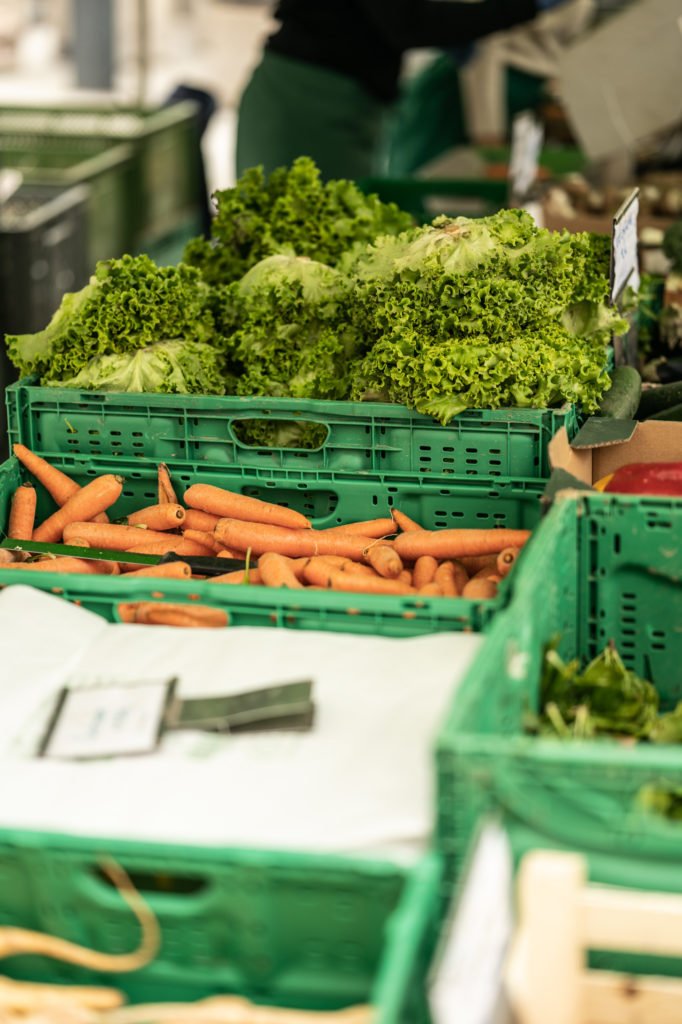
x=362 y=781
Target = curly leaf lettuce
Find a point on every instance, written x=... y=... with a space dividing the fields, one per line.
x=171 y=367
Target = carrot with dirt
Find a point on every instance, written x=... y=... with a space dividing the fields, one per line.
x=195 y=519
x=112 y=536
x=384 y=560
x=276 y=571
x=97 y=496
x=457 y=543
x=167 y=516
x=169 y=571
x=230 y=505
x=167 y=495
x=22 y=513
x=240 y=536
x=58 y=485
x=61 y=563
x=406 y=524
x=377 y=528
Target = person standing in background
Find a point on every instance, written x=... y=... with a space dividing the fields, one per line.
x=329 y=75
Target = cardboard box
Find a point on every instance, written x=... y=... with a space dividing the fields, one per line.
x=622 y=83
x=650 y=441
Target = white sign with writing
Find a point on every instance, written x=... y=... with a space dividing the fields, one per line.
x=108 y=721
x=527 y=139
x=624 y=254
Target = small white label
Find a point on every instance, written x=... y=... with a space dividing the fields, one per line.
x=108 y=721
x=624 y=254
x=527 y=138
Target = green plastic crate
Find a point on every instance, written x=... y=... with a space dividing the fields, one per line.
x=426 y=198
x=163 y=189
x=328 y=499
x=600 y=567
x=107 y=171
x=293 y=929
x=361 y=437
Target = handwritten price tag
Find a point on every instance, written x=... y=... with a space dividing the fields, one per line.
x=624 y=256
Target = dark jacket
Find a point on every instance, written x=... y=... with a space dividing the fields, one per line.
x=366 y=39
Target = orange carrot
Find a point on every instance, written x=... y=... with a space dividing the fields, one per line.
x=8 y=557
x=487 y=572
x=195 y=519
x=106 y=567
x=152 y=613
x=368 y=528
x=505 y=561
x=275 y=571
x=178 y=545
x=167 y=516
x=384 y=560
x=207 y=539
x=228 y=504
x=79 y=542
x=62 y=563
x=167 y=495
x=318 y=570
x=112 y=536
x=226 y=553
x=445 y=578
x=405 y=577
x=456 y=543
x=461 y=576
x=241 y=536
x=368 y=584
x=88 y=501
x=474 y=563
x=169 y=570
x=406 y=524
x=22 y=513
x=58 y=485
x=430 y=590
x=251 y=576
x=480 y=589
x=424 y=570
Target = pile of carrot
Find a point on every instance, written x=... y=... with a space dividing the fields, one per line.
x=391 y=555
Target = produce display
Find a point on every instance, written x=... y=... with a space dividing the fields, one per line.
x=312 y=290
x=662 y=478
x=603 y=699
x=390 y=556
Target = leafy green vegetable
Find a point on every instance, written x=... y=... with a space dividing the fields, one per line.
x=176 y=367
x=291 y=210
x=665 y=801
x=130 y=303
x=486 y=313
x=605 y=698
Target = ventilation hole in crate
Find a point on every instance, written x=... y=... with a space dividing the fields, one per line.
x=186 y=477
x=424 y=447
x=616 y=543
x=116 y=444
x=495 y=451
x=440 y=512
x=138 y=444
x=658 y=647
x=482 y=515
x=628 y=644
x=137 y=433
x=457 y=514
x=115 y=433
x=448 y=448
x=499 y=515
x=424 y=458
x=659 y=524
x=471 y=451
x=375 y=499
x=495 y=462
x=444 y=491
x=472 y=462
x=392 y=490
x=440 y=522
x=93 y=431
x=316 y=504
x=658 y=633
x=150 y=494
x=629 y=620
x=629 y=607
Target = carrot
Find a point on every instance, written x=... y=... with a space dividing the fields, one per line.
x=424 y=570
x=251 y=576
x=105 y=567
x=318 y=570
x=58 y=485
x=62 y=563
x=195 y=519
x=461 y=576
x=111 y=536
x=152 y=613
x=167 y=495
x=445 y=578
x=406 y=524
x=405 y=577
x=457 y=543
x=368 y=528
x=228 y=504
x=169 y=570
x=167 y=516
x=178 y=545
x=480 y=588
x=275 y=571
x=22 y=513
x=8 y=557
x=430 y=590
x=474 y=563
x=367 y=584
x=226 y=553
x=505 y=561
x=384 y=560
x=207 y=539
x=260 y=538
x=87 y=502
x=487 y=572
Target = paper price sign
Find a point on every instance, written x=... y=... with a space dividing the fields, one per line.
x=527 y=138
x=624 y=258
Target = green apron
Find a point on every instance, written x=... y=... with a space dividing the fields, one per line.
x=429 y=118
x=291 y=109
